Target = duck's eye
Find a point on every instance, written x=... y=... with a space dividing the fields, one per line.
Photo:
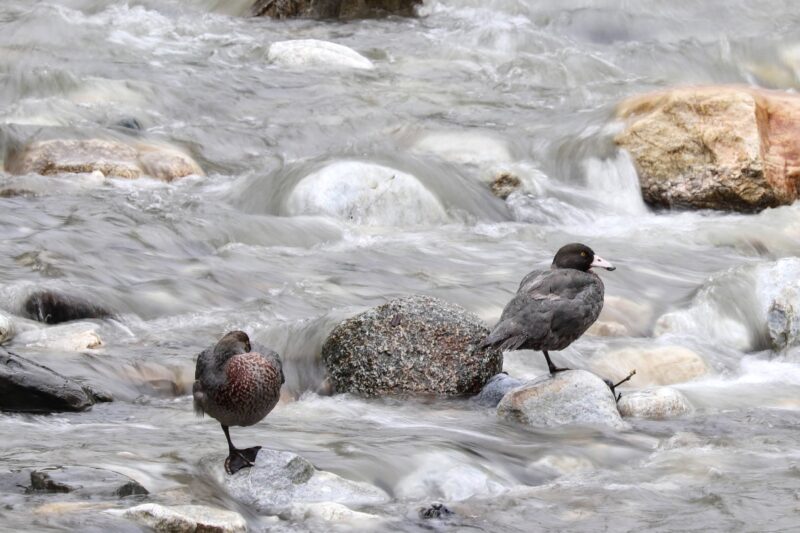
x=583 y=254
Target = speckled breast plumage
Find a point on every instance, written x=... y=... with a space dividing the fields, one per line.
x=250 y=391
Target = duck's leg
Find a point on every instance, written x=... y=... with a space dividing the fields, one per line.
x=553 y=368
x=238 y=459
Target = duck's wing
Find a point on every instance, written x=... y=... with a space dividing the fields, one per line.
x=204 y=361
x=545 y=303
x=271 y=356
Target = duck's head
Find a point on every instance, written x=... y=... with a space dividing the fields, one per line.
x=233 y=343
x=580 y=257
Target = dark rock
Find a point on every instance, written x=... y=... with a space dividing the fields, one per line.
x=503 y=184
x=129 y=123
x=496 y=388
x=28 y=387
x=54 y=308
x=84 y=481
x=13 y=193
x=436 y=510
x=334 y=9
x=415 y=344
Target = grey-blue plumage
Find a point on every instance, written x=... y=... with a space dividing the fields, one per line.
x=553 y=308
x=237 y=384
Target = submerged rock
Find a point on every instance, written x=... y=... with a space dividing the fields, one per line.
x=84 y=481
x=656 y=404
x=70 y=337
x=504 y=183
x=315 y=53
x=496 y=388
x=280 y=481
x=53 y=307
x=333 y=9
x=434 y=511
x=336 y=513
x=186 y=518
x=415 y=344
x=719 y=147
x=570 y=397
x=753 y=307
x=28 y=387
x=662 y=365
x=107 y=156
x=365 y=193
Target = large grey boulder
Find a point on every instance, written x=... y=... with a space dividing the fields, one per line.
x=28 y=387
x=333 y=9
x=411 y=345
x=279 y=482
x=571 y=397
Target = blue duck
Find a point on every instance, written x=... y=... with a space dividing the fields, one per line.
x=238 y=386
x=552 y=308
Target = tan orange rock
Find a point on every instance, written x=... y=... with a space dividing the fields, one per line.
x=717 y=147
x=109 y=156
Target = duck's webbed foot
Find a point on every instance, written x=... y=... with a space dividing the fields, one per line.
x=238 y=459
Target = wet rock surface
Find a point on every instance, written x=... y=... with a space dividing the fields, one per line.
x=7 y=328
x=316 y=53
x=186 y=518
x=84 y=481
x=655 y=404
x=719 y=147
x=496 y=388
x=280 y=481
x=53 y=307
x=333 y=9
x=29 y=387
x=415 y=344
x=570 y=397
x=107 y=156
x=435 y=511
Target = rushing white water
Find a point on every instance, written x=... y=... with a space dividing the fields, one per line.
x=282 y=240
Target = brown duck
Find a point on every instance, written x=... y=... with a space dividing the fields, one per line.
x=238 y=386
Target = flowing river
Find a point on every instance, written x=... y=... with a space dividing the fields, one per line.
x=467 y=90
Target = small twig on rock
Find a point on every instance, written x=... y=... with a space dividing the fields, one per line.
x=614 y=386
x=627 y=378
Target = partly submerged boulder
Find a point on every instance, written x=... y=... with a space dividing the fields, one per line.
x=53 y=307
x=570 y=397
x=659 y=365
x=333 y=9
x=656 y=404
x=84 y=481
x=107 y=156
x=411 y=345
x=186 y=518
x=365 y=193
x=496 y=388
x=315 y=53
x=282 y=481
x=28 y=387
x=718 y=147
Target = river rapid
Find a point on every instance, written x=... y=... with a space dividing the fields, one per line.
x=469 y=89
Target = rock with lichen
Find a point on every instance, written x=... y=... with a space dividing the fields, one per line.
x=411 y=345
